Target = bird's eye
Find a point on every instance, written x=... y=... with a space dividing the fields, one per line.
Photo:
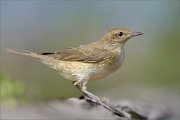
x=120 y=33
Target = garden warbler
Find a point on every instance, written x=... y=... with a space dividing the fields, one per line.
x=87 y=62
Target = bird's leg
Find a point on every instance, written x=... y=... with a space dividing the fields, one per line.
x=90 y=96
x=81 y=85
x=95 y=99
x=78 y=82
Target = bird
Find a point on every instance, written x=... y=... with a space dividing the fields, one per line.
x=92 y=61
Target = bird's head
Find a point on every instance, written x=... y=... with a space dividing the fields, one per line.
x=118 y=36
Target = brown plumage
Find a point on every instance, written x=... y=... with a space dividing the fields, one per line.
x=81 y=54
x=92 y=61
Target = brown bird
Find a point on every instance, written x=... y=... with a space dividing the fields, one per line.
x=87 y=62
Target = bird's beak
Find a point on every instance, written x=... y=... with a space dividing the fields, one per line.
x=133 y=34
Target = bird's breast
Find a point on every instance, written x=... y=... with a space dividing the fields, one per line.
x=108 y=67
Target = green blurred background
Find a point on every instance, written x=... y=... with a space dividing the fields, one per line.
x=152 y=61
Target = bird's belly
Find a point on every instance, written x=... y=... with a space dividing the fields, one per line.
x=75 y=70
x=105 y=70
x=91 y=71
x=109 y=68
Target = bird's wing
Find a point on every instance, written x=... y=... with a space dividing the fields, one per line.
x=86 y=55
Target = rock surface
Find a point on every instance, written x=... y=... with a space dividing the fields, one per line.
x=74 y=108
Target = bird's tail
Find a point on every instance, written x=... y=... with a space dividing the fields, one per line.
x=25 y=53
x=53 y=63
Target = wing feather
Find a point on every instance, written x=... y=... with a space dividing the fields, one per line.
x=92 y=55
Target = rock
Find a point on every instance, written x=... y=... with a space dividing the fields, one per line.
x=74 y=108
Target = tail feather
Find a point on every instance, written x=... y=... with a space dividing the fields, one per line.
x=51 y=62
x=25 y=53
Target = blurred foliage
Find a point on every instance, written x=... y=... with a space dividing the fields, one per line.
x=164 y=63
x=11 y=91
